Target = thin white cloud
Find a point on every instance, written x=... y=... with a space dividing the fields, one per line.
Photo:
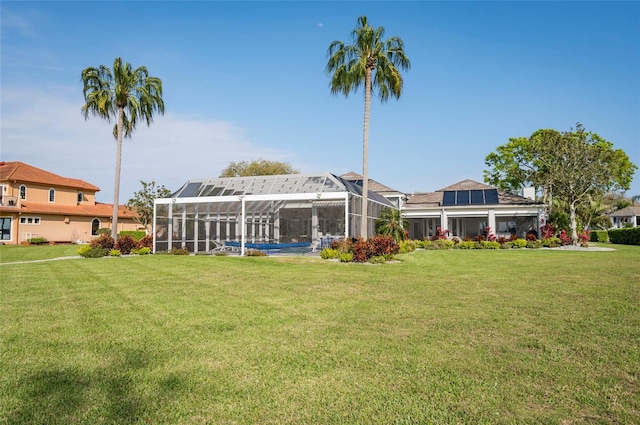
x=44 y=127
x=13 y=21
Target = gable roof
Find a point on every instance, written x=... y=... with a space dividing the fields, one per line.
x=466 y=185
x=20 y=172
x=434 y=199
x=630 y=211
x=374 y=186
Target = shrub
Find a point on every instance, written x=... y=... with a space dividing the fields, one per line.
x=103 y=231
x=383 y=245
x=179 y=251
x=583 y=238
x=329 y=253
x=407 y=246
x=141 y=251
x=146 y=241
x=362 y=251
x=444 y=244
x=534 y=244
x=466 y=245
x=90 y=251
x=531 y=236
x=599 y=236
x=115 y=253
x=126 y=244
x=104 y=241
x=342 y=245
x=423 y=243
x=378 y=259
x=548 y=231
x=135 y=234
x=255 y=253
x=37 y=241
x=627 y=236
x=220 y=253
x=552 y=242
x=565 y=239
x=517 y=243
x=491 y=245
x=346 y=257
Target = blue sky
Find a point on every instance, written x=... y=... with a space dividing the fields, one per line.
x=246 y=80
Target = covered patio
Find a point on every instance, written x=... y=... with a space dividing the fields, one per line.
x=301 y=210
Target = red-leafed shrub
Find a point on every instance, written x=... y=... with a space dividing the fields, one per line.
x=531 y=237
x=564 y=238
x=362 y=251
x=125 y=244
x=548 y=231
x=104 y=241
x=384 y=245
x=146 y=242
x=584 y=238
x=440 y=234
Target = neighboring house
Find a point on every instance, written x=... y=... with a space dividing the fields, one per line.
x=467 y=208
x=37 y=203
x=626 y=217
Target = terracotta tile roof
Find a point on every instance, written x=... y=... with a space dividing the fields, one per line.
x=374 y=186
x=97 y=210
x=21 y=172
x=633 y=210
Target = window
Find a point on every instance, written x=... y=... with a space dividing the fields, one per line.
x=5 y=228
x=29 y=220
x=52 y=195
x=80 y=197
x=23 y=192
x=95 y=225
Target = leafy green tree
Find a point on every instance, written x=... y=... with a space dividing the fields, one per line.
x=372 y=62
x=259 y=167
x=142 y=202
x=125 y=95
x=576 y=167
x=392 y=223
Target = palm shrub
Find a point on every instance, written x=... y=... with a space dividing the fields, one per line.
x=392 y=223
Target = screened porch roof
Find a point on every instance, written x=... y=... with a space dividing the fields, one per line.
x=279 y=187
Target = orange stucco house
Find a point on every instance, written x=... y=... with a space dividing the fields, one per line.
x=37 y=203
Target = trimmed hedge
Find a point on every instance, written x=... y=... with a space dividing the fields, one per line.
x=599 y=236
x=628 y=236
x=135 y=234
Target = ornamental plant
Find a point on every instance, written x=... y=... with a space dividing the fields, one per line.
x=104 y=241
x=126 y=244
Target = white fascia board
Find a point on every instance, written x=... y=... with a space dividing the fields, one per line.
x=475 y=212
x=248 y=198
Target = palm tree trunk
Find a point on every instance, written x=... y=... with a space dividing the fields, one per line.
x=573 y=224
x=116 y=182
x=365 y=154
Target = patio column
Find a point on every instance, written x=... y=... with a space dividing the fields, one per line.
x=314 y=226
x=243 y=236
x=207 y=235
x=491 y=221
x=195 y=231
x=183 y=227
x=276 y=226
x=170 y=228
x=444 y=220
x=228 y=226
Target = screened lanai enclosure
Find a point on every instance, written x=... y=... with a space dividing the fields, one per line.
x=269 y=212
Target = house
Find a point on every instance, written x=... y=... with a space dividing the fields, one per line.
x=36 y=203
x=626 y=217
x=310 y=209
x=467 y=208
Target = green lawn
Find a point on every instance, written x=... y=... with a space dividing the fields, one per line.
x=468 y=337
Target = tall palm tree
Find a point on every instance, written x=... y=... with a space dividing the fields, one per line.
x=125 y=95
x=373 y=62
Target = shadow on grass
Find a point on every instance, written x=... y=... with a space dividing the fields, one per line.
x=102 y=395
